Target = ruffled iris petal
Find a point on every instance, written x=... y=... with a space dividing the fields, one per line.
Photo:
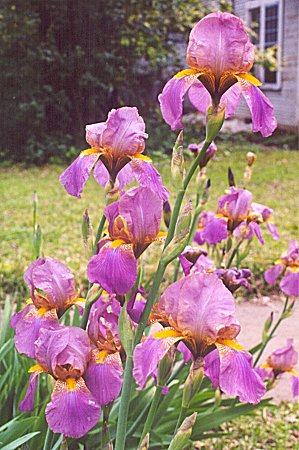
x=27 y=404
x=237 y=377
x=147 y=356
x=104 y=380
x=273 y=273
x=75 y=176
x=72 y=412
x=262 y=111
x=215 y=231
x=115 y=269
x=290 y=283
x=171 y=99
x=148 y=176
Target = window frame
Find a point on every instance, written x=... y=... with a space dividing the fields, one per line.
x=262 y=4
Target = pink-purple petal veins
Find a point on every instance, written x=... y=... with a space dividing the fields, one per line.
x=219 y=43
x=215 y=231
x=27 y=404
x=124 y=132
x=147 y=356
x=262 y=111
x=75 y=176
x=27 y=324
x=199 y=311
x=125 y=176
x=290 y=283
x=63 y=345
x=237 y=377
x=142 y=210
x=199 y=97
x=148 y=176
x=56 y=280
x=171 y=99
x=94 y=133
x=273 y=273
x=212 y=367
x=114 y=268
x=72 y=412
x=29 y=272
x=104 y=379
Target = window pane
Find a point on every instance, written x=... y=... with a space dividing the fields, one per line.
x=255 y=25
x=271 y=37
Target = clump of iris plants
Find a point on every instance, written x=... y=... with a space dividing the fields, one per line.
x=149 y=337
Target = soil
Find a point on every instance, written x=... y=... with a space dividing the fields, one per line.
x=252 y=316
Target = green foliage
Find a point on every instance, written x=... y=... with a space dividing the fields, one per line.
x=68 y=63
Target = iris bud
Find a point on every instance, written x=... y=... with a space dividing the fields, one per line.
x=183 y=434
x=177 y=161
x=165 y=367
x=214 y=122
x=166 y=213
x=193 y=381
x=250 y=158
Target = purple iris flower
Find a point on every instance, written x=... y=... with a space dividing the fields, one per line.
x=194 y=258
x=281 y=361
x=234 y=278
x=64 y=353
x=289 y=262
x=115 y=153
x=134 y=222
x=52 y=290
x=209 y=153
x=103 y=376
x=234 y=206
x=199 y=311
x=219 y=56
x=210 y=229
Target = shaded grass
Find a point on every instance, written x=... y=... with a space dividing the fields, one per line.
x=274 y=183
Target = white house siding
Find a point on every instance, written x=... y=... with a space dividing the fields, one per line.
x=286 y=99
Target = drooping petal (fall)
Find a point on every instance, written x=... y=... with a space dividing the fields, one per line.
x=114 y=268
x=124 y=177
x=290 y=283
x=231 y=98
x=171 y=99
x=104 y=378
x=199 y=96
x=27 y=404
x=273 y=273
x=150 y=352
x=75 y=176
x=148 y=176
x=237 y=377
x=215 y=231
x=262 y=111
x=72 y=411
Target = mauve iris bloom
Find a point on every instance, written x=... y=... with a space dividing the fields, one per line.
x=52 y=290
x=282 y=360
x=133 y=223
x=208 y=155
x=219 y=56
x=289 y=262
x=234 y=278
x=64 y=354
x=194 y=258
x=103 y=376
x=199 y=312
x=115 y=153
x=210 y=229
x=234 y=206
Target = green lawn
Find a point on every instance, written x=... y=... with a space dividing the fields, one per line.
x=274 y=183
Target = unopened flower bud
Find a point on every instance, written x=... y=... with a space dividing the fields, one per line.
x=205 y=193
x=165 y=367
x=183 y=434
x=231 y=178
x=87 y=234
x=214 y=121
x=267 y=327
x=145 y=443
x=37 y=242
x=250 y=158
x=193 y=381
x=177 y=161
x=166 y=213
x=126 y=331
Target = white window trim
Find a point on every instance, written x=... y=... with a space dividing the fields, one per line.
x=262 y=5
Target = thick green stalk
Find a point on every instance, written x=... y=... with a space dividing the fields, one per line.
x=269 y=337
x=99 y=234
x=87 y=308
x=124 y=405
x=48 y=440
x=233 y=254
x=152 y=412
x=126 y=390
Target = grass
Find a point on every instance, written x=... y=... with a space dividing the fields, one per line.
x=274 y=183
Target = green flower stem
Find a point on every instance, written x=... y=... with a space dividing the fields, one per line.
x=182 y=416
x=106 y=438
x=99 y=234
x=270 y=336
x=87 y=308
x=233 y=254
x=151 y=413
x=126 y=390
x=48 y=440
x=124 y=405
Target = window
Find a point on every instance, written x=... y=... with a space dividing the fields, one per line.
x=265 y=19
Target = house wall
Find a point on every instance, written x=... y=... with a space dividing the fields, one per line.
x=286 y=99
